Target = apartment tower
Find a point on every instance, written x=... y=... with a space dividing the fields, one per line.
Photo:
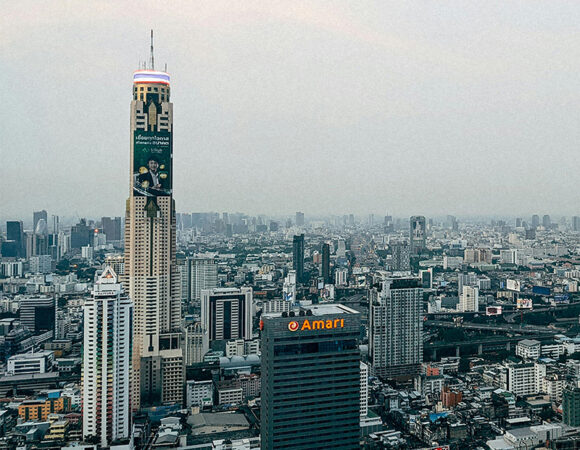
x=396 y=328
x=107 y=362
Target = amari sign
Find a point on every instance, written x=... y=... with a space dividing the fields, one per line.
x=307 y=324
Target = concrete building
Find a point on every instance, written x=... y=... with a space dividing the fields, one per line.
x=30 y=363
x=525 y=378
x=106 y=373
x=571 y=406
x=151 y=274
x=37 y=313
x=311 y=379
x=273 y=306
x=226 y=314
x=341 y=277
x=469 y=299
x=364 y=389
x=299 y=219
x=396 y=327
x=400 y=256
x=41 y=264
x=199 y=393
x=298 y=257
x=528 y=349
x=289 y=287
x=202 y=274
x=325 y=270
x=111 y=227
x=418 y=234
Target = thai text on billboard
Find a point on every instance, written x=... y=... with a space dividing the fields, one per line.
x=152 y=163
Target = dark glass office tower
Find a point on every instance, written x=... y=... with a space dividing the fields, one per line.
x=15 y=232
x=311 y=379
x=298 y=257
x=326 y=263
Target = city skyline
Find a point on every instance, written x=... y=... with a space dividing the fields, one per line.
x=301 y=98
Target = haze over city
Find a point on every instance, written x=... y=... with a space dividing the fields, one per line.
x=274 y=225
x=325 y=107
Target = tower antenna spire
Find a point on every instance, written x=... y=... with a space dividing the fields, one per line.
x=152 y=61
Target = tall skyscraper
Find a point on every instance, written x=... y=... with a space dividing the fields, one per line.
x=326 y=263
x=37 y=215
x=14 y=245
x=106 y=361
x=575 y=223
x=193 y=343
x=535 y=221
x=111 y=227
x=81 y=235
x=40 y=238
x=396 y=327
x=201 y=274
x=299 y=219
x=469 y=299
x=400 y=256
x=311 y=379
x=546 y=222
x=298 y=257
x=418 y=234
x=226 y=314
x=571 y=406
x=151 y=272
x=15 y=232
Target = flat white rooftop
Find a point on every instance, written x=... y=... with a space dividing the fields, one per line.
x=319 y=310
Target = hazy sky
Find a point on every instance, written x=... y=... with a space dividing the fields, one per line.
x=423 y=107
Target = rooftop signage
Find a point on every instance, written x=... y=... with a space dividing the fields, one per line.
x=307 y=324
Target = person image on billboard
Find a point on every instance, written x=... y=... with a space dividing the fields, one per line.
x=151 y=180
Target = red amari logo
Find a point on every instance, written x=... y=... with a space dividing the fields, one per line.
x=316 y=324
x=293 y=326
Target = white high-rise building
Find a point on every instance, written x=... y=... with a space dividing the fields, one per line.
x=202 y=274
x=469 y=299
x=525 y=378
x=289 y=287
x=106 y=371
x=341 y=277
x=396 y=327
x=364 y=389
x=274 y=306
x=193 y=343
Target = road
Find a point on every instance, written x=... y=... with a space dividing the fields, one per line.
x=528 y=329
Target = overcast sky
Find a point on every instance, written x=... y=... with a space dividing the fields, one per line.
x=428 y=107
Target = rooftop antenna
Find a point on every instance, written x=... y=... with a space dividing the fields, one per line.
x=152 y=61
x=165 y=68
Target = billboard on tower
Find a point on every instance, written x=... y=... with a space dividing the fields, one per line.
x=152 y=163
x=524 y=303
